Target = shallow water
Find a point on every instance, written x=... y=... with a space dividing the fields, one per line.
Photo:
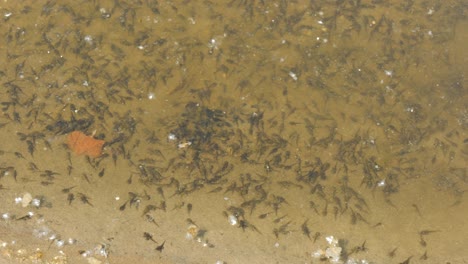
x=236 y=132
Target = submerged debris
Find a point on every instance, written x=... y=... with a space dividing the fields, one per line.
x=79 y=143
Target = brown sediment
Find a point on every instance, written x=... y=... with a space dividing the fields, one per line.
x=80 y=143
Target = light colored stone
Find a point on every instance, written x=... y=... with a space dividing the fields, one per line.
x=27 y=198
x=92 y=260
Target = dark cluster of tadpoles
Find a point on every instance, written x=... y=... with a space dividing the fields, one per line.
x=216 y=144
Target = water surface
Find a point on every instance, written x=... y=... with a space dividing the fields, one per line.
x=236 y=131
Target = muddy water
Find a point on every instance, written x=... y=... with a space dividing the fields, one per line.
x=236 y=131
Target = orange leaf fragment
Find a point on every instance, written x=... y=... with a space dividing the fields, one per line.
x=80 y=143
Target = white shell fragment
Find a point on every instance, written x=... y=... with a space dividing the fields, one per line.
x=6 y=216
x=36 y=202
x=192 y=232
x=333 y=253
x=331 y=240
x=59 y=243
x=184 y=144
x=232 y=220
